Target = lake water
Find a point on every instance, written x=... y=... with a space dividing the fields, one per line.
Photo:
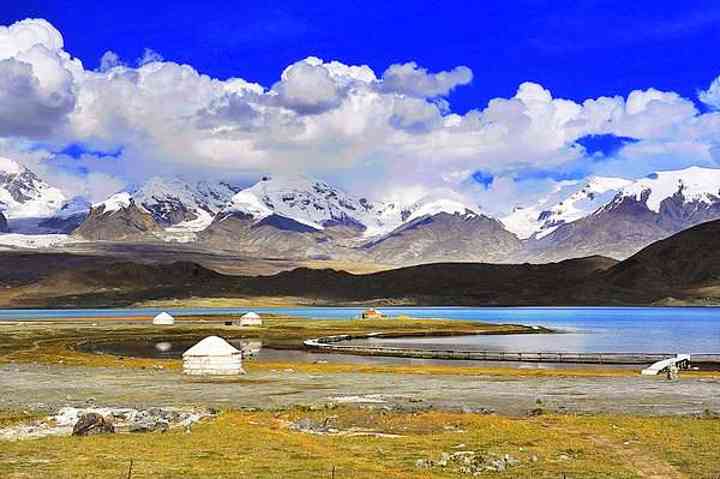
x=664 y=330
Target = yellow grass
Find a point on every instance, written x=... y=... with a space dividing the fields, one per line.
x=260 y=444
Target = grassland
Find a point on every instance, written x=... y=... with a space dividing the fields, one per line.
x=368 y=442
x=260 y=444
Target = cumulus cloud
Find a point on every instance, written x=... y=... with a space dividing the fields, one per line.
x=393 y=134
x=149 y=56
x=308 y=88
x=109 y=60
x=26 y=108
x=36 y=79
x=410 y=79
x=711 y=96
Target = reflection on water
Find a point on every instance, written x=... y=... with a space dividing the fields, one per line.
x=166 y=349
x=149 y=349
x=595 y=341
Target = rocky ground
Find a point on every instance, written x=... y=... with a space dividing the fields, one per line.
x=50 y=387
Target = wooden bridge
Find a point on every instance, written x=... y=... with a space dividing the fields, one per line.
x=332 y=344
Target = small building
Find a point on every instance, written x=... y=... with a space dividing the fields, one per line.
x=213 y=356
x=250 y=319
x=163 y=319
x=371 y=313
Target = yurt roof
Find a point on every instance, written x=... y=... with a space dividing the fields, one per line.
x=212 y=346
x=164 y=315
x=251 y=315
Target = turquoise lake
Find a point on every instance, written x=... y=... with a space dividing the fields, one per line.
x=692 y=330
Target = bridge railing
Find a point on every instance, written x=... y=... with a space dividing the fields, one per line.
x=332 y=344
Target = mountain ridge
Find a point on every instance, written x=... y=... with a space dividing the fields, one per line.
x=298 y=217
x=680 y=268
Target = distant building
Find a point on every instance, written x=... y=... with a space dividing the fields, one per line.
x=213 y=356
x=163 y=319
x=371 y=313
x=250 y=319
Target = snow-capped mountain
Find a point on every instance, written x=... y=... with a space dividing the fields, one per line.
x=118 y=218
x=179 y=207
x=642 y=212
x=306 y=217
x=25 y=195
x=290 y=217
x=182 y=205
x=313 y=203
x=445 y=230
x=694 y=185
x=432 y=205
x=569 y=202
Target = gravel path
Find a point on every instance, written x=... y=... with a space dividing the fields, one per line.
x=49 y=387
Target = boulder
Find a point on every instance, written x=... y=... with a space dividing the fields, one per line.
x=93 y=423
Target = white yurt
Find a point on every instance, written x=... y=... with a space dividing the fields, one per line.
x=250 y=319
x=213 y=356
x=163 y=319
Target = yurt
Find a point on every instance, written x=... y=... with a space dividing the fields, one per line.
x=163 y=319
x=250 y=319
x=213 y=356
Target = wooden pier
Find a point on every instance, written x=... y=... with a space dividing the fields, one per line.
x=333 y=344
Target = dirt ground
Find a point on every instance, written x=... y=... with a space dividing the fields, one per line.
x=47 y=387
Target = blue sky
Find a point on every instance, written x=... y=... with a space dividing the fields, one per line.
x=577 y=49
x=498 y=100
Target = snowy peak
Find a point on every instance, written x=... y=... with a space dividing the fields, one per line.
x=182 y=205
x=117 y=202
x=10 y=167
x=25 y=195
x=431 y=206
x=569 y=202
x=308 y=201
x=695 y=184
x=317 y=204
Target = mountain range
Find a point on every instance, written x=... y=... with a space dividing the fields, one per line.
x=305 y=218
x=682 y=269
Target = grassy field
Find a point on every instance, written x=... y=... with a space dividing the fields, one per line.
x=366 y=442
x=378 y=443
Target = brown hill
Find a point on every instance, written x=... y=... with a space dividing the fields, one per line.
x=677 y=266
x=437 y=284
x=127 y=223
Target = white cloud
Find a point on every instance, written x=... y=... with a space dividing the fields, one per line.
x=149 y=56
x=711 y=96
x=308 y=88
x=24 y=35
x=109 y=60
x=385 y=134
x=28 y=106
x=410 y=79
